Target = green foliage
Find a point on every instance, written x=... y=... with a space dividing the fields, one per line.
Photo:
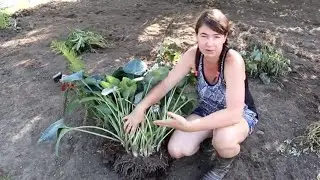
x=75 y=62
x=155 y=75
x=78 y=42
x=81 y=41
x=4 y=20
x=127 y=87
x=5 y=177
x=265 y=61
x=115 y=98
x=168 y=54
x=135 y=67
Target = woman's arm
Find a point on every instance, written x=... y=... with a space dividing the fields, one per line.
x=234 y=73
x=181 y=69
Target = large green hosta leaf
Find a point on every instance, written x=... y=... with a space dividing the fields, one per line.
x=50 y=133
x=73 y=77
x=127 y=87
x=156 y=75
x=136 y=67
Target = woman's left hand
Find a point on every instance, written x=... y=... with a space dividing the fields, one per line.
x=176 y=122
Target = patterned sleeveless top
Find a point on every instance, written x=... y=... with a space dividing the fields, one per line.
x=212 y=97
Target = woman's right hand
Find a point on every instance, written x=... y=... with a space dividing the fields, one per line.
x=133 y=120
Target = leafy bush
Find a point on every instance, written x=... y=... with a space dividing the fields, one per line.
x=4 y=20
x=75 y=62
x=168 y=54
x=265 y=61
x=81 y=41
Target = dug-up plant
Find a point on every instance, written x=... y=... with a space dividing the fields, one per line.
x=311 y=137
x=77 y=42
x=108 y=99
x=265 y=61
x=81 y=41
x=308 y=142
x=75 y=63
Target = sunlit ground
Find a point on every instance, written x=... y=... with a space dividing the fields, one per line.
x=14 y=5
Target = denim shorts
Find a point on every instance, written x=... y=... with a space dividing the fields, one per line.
x=250 y=116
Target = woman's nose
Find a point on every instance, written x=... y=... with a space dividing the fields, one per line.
x=210 y=42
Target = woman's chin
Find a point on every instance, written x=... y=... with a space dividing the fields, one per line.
x=209 y=54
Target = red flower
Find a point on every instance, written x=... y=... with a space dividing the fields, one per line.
x=66 y=86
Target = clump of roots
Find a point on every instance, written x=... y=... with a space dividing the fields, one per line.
x=135 y=168
x=111 y=151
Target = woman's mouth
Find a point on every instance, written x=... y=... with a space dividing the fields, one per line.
x=210 y=50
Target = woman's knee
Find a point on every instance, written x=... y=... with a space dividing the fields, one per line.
x=226 y=140
x=186 y=143
x=229 y=152
x=226 y=147
x=230 y=136
x=177 y=150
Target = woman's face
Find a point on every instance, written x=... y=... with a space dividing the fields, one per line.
x=210 y=42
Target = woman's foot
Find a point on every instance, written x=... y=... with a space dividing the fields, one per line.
x=221 y=167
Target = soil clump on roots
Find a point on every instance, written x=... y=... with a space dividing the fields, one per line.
x=135 y=168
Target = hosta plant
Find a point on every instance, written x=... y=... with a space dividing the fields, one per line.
x=108 y=99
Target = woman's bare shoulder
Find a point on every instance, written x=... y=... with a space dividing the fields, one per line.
x=234 y=65
x=191 y=51
x=234 y=57
x=189 y=55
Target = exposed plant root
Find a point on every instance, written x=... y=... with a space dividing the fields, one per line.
x=135 y=168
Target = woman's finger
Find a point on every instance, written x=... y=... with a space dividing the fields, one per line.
x=173 y=115
x=128 y=129
x=125 y=118
x=166 y=123
x=126 y=125
x=133 y=129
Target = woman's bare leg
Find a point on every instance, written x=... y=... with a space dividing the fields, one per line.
x=186 y=143
x=226 y=141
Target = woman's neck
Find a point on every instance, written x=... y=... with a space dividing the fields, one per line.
x=211 y=61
